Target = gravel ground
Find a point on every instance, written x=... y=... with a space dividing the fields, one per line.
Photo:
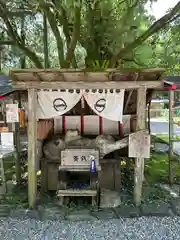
x=141 y=229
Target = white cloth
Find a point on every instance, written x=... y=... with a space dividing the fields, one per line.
x=107 y=104
x=55 y=103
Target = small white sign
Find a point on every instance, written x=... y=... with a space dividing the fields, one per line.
x=79 y=157
x=12 y=113
x=7 y=140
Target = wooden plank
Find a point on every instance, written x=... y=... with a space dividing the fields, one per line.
x=145 y=70
x=88 y=85
x=32 y=139
x=80 y=168
x=139 y=144
x=82 y=76
x=139 y=162
x=102 y=161
x=76 y=192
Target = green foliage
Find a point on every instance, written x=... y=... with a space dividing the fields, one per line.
x=18 y=198
x=83 y=31
x=157 y=168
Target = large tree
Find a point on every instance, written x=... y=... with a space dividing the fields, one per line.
x=110 y=30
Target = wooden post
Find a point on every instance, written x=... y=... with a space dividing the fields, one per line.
x=32 y=140
x=139 y=162
x=171 y=125
x=18 y=163
x=18 y=146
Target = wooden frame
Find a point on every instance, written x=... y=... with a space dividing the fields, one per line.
x=34 y=79
x=139 y=162
x=82 y=79
x=32 y=150
x=88 y=85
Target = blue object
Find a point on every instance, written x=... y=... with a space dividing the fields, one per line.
x=93 y=166
x=80 y=186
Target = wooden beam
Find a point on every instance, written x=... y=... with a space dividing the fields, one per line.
x=64 y=70
x=139 y=162
x=87 y=85
x=32 y=140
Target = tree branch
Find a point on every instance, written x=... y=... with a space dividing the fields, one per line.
x=6 y=42
x=75 y=35
x=63 y=19
x=17 y=14
x=13 y=34
x=157 y=26
x=54 y=27
x=135 y=61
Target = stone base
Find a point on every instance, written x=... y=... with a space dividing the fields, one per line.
x=158 y=208
x=83 y=215
x=104 y=214
x=175 y=204
x=127 y=211
x=109 y=199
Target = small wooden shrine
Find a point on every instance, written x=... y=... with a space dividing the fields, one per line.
x=130 y=90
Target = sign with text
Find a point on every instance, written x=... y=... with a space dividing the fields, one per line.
x=139 y=144
x=81 y=157
x=12 y=113
x=7 y=140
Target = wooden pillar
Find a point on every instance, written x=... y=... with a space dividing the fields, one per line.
x=171 y=136
x=18 y=157
x=18 y=146
x=32 y=140
x=139 y=162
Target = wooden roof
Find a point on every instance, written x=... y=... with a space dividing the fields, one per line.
x=85 y=79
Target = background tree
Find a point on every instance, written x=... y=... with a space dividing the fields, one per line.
x=117 y=32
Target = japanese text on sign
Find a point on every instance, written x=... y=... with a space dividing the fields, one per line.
x=80 y=159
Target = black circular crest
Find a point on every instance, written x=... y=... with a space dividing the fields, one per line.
x=59 y=104
x=100 y=105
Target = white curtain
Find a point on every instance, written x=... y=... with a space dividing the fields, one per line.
x=55 y=103
x=106 y=103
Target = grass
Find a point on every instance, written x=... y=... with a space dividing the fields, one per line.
x=157 y=168
x=166 y=138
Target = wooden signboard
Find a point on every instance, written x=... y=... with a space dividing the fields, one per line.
x=12 y=113
x=80 y=157
x=139 y=144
